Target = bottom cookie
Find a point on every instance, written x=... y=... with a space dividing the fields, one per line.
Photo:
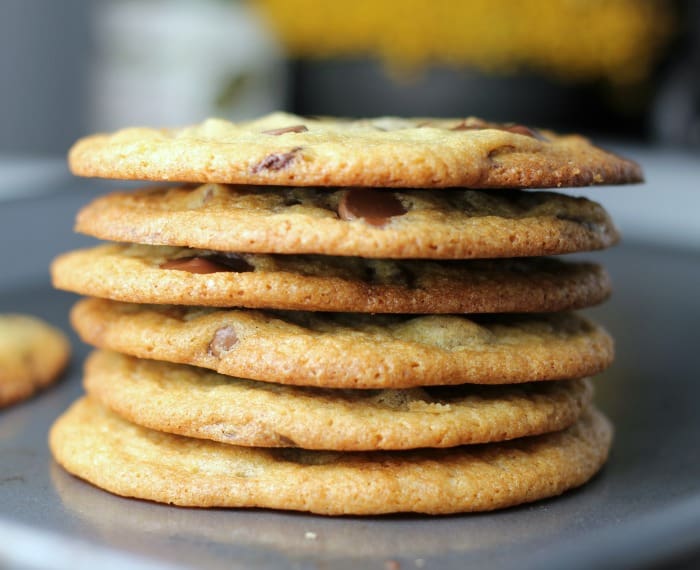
x=32 y=355
x=99 y=446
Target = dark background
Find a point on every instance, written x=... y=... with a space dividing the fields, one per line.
x=50 y=52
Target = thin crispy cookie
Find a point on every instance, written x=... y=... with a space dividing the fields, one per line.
x=132 y=461
x=452 y=224
x=181 y=276
x=343 y=350
x=194 y=402
x=388 y=152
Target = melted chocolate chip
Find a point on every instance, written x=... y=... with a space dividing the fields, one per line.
x=375 y=207
x=476 y=125
x=209 y=264
x=284 y=130
x=233 y=262
x=224 y=340
x=523 y=130
x=276 y=161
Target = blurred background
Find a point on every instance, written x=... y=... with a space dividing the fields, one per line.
x=626 y=72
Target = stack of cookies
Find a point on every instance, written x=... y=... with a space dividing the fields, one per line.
x=342 y=317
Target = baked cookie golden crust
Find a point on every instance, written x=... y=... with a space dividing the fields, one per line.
x=194 y=402
x=182 y=276
x=132 y=461
x=32 y=355
x=451 y=224
x=387 y=152
x=343 y=350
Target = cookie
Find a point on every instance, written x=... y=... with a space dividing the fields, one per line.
x=132 y=461
x=182 y=276
x=194 y=402
x=342 y=350
x=387 y=152
x=32 y=356
x=451 y=224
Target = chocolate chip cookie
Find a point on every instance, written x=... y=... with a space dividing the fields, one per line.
x=375 y=223
x=385 y=152
x=32 y=355
x=183 y=276
x=351 y=350
x=194 y=402
x=132 y=461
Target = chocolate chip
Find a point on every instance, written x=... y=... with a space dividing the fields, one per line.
x=209 y=264
x=374 y=206
x=478 y=124
x=193 y=265
x=233 y=262
x=284 y=130
x=224 y=340
x=276 y=161
x=523 y=130
x=284 y=441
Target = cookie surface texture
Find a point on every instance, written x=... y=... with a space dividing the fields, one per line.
x=387 y=152
x=32 y=355
x=189 y=401
x=379 y=223
x=132 y=461
x=182 y=276
x=342 y=350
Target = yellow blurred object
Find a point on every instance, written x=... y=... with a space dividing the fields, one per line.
x=574 y=39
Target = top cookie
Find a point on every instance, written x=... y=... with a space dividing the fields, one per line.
x=286 y=149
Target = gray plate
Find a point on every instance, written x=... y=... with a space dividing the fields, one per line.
x=643 y=508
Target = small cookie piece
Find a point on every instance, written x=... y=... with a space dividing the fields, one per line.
x=32 y=356
x=387 y=152
x=451 y=224
x=182 y=276
x=194 y=402
x=349 y=350
x=132 y=461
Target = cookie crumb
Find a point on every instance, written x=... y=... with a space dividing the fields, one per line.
x=392 y=565
x=309 y=535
